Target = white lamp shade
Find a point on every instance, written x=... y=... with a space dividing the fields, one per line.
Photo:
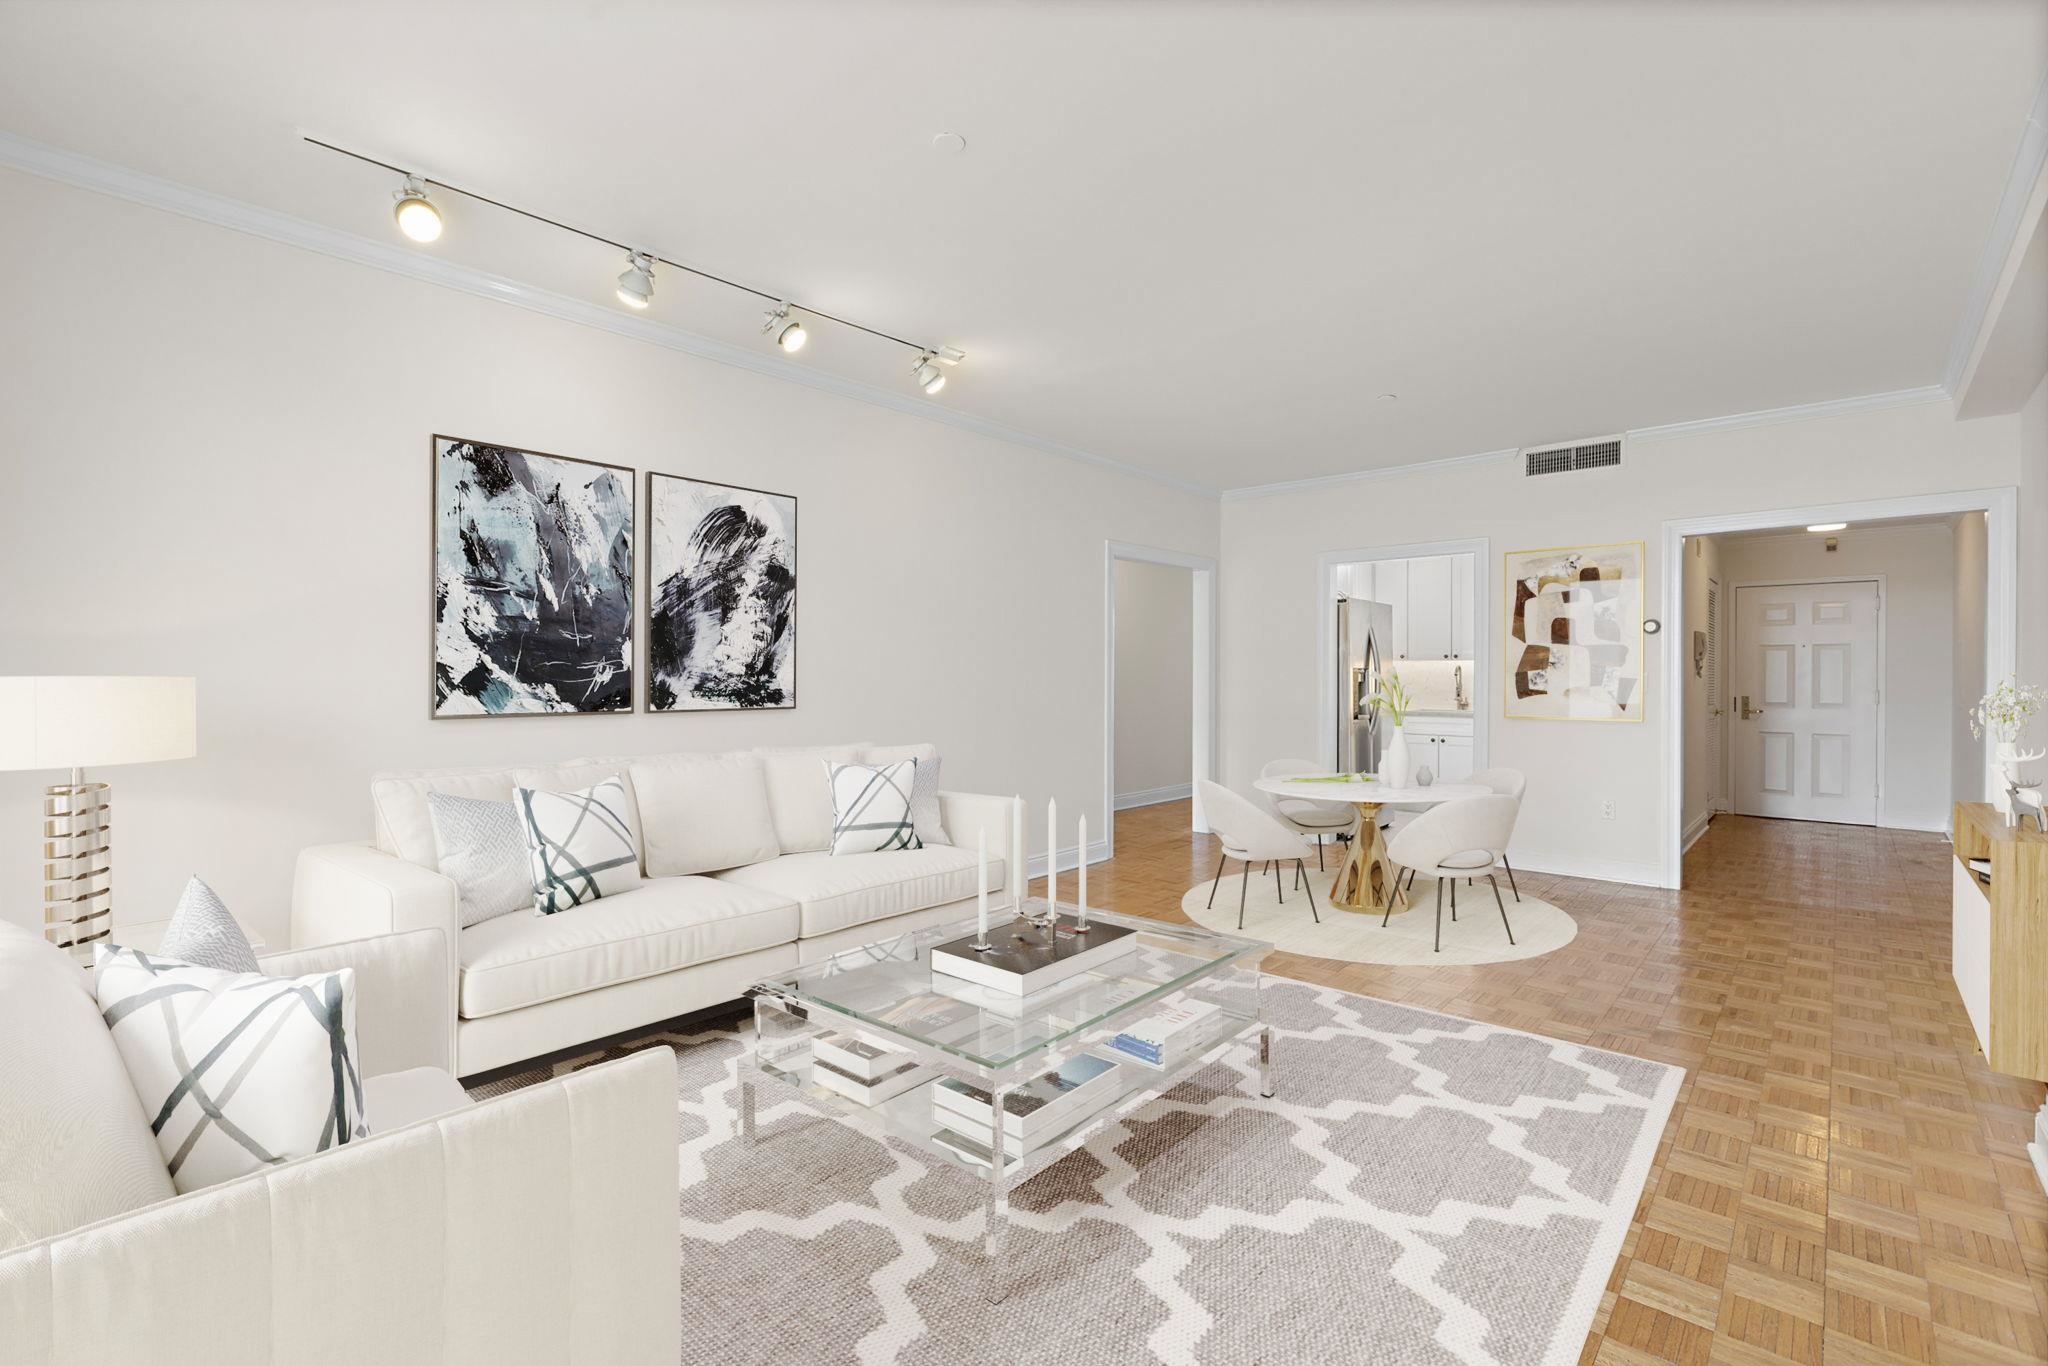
x=90 y=721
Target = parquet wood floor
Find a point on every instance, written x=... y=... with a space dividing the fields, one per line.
x=1843 y=1180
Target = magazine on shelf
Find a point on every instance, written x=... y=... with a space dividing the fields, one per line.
x=869 y=1091
x=857 y=1057
x=1047 y=1103
x=1152 y=1039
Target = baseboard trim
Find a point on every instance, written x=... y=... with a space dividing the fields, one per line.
x=1153 y=796
x=1593 y=869
x=1070 y=858
x=1691 y=834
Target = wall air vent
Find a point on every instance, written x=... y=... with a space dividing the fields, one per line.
x=1582 y=455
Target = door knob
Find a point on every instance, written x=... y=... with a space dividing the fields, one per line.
x=1747 y=710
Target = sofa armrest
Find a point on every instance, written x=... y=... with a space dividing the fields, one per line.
x=343 y=892
x=539 y=1227
x=405 y=1014
x=966 y=814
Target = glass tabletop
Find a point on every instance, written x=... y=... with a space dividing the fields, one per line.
x=889 y=987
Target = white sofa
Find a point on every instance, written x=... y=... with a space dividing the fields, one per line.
x=539 y=1227
x=739 y=883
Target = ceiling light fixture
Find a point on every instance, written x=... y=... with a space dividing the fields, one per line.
x=788 y=332
x=420 y=219
x=636 y=285
x=417 y=217
x=1829 y=526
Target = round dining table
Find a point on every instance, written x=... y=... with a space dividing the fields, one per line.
x=1366 y=883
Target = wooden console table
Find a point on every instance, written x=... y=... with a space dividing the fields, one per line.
x=2000 y=946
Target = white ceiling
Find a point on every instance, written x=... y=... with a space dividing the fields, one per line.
x=1201 y=238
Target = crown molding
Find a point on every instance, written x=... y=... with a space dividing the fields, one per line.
x=120 y=182
x=1325 y=481
x=2027 y=163
x=1798 y=412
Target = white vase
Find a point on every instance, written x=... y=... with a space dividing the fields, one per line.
x=1395 y=770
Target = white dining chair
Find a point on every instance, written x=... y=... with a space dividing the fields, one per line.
x=1459 y=839
x=1314 y=819
x=1250 y=836
x=1507 y=782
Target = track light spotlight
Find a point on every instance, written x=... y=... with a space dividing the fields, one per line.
x=636 y=285
x=929 y=377
x=417 y=217
x=788 y=332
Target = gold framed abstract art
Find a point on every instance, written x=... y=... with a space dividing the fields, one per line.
x=1575 y=633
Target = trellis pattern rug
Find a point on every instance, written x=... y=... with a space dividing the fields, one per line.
x=1421 y=1189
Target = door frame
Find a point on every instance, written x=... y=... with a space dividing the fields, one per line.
x=2000 y=507
x=1483 y=681
x=1734 y=650
x=1203 y=571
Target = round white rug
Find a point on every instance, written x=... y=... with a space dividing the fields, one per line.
x=1476 y=936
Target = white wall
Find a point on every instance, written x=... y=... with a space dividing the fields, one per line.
x=1920 y=619
x=1969 y=755
x=2033 y=537
x=1269 y=601
x=216 y=463
x=1155 y=684
x=1704 y=763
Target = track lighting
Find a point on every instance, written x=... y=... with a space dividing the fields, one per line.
x=788 y=332
x=929 y=377
x=636 y=285
x=417 y=217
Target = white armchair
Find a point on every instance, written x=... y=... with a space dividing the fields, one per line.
x=538 y=1227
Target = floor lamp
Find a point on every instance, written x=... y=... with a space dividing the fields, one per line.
x=76 y=723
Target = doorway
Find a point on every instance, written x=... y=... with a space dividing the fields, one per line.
x=1807 y=738
x=1159 y=673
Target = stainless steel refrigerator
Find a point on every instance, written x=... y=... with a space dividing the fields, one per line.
x=1365 y=631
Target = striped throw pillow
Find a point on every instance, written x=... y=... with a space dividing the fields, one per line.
x=581 y=844
x=871 y=807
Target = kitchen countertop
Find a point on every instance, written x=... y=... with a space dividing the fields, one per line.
x=1419 y=711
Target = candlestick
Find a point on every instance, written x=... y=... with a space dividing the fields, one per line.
x=981 y=894
x=1017 y=855
x=1081 y=895
x=1052 y=856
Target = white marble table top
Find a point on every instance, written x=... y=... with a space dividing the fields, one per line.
x=1369 y=791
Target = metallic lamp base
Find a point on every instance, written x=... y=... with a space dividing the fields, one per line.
x=78 y=898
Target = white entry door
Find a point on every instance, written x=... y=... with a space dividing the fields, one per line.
x=1803 y=712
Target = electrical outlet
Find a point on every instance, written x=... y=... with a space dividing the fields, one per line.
x=1607 y=809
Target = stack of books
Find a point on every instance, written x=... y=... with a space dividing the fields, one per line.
x=865 y=1073
x=1152 y=1040
x=1044 y=1107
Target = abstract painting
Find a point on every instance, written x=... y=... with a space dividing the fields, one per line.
x=721 y=611
x=1575 y=633
x=533 y=582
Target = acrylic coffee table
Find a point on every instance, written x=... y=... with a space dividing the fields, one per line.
x=1366 y=883
x=883 y=993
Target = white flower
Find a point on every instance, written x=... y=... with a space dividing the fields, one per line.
x=2007 y=710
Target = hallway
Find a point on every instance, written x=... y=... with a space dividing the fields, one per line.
x=1842 y=1174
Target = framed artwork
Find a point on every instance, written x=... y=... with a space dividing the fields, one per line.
x=721 y=599
x=1575 y=633
x=533 y=583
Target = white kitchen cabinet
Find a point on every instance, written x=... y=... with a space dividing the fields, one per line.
x=1390 y=586
x=1429 y=607
x=1444 y=743
x=1462 y=603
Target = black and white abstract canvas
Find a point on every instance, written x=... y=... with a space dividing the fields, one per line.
x=533 y=582
x=721 y=615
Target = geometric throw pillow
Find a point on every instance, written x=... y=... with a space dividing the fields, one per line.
x=871 y=807
x=924 y=798
x=580 y=845
x=483 y=849
x=236 y=1071
x=203 y=933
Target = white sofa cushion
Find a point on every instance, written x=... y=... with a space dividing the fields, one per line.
x=702 y=812
x=800 y=794
x=924 y=797
x=237 y=1070
x=401 y=1098
x=75 y=1146
x=661 y=925
x=399 y=801
x=833 y=892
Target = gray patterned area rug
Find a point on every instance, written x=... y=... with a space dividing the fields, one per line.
x=1420 y=1189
